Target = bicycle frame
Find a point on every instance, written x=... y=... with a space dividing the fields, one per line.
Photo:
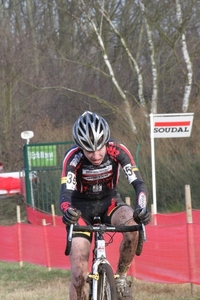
x=99 y=251
x=99 y=257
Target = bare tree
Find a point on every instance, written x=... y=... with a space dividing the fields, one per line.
x=124 y=58
x=154 y=99
x=189 y=68
x=32 y=31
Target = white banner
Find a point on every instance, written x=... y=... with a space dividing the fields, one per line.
x=172 y=126
x=167 y=126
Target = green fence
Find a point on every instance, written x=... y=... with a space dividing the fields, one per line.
x=42 y=166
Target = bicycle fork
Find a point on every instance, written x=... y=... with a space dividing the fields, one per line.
x=100 y=259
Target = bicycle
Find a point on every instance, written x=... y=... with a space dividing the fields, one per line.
x=101 y=279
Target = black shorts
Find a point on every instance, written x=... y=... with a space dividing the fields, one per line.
x=90 y=209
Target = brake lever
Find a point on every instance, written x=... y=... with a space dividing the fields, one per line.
x=144 y=231
x=70 y=232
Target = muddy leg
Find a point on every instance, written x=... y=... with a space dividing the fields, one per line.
x=79 y=268
x=124 y=215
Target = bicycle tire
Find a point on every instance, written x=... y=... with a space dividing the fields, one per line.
x=106 y=289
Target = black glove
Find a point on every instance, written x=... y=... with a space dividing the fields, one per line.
x=141 y=215
x=71 y=216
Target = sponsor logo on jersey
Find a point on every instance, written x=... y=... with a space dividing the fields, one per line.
x=100 y=174
x=100 y=177
x=142 y=200
x=76 y=159
x=112 y=150
x=97 y=188
x=97 y=171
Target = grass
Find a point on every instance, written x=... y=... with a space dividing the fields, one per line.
x=8 y=208
x=33 y=282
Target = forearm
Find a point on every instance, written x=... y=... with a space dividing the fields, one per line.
x=141 y=193
x=65 y=200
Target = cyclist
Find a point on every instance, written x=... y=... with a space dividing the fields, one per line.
x=90 y=175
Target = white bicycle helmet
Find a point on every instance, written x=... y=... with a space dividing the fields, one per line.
x=91 y=132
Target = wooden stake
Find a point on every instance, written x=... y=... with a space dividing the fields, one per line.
x=18 y=214
x=19 y=236
x=46 y=244
x=188 y=203
x=53 y=214
x=128 y=200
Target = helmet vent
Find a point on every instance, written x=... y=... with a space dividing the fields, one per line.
x=91 y=132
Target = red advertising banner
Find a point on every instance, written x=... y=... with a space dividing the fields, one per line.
x=170 y=255
x=9 y=185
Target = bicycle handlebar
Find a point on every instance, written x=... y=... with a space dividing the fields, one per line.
x=102 y=228
x=107 y=228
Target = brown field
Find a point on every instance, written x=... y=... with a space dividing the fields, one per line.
x=34 y=282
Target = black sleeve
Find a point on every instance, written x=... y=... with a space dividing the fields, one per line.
x=141 y=191
x=125 y=158
x=68 y=176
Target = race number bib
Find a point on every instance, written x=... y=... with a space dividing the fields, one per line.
x=128 y=169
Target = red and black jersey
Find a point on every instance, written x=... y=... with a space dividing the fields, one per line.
x=82 y=180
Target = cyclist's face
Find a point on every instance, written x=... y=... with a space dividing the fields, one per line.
x=96 y=157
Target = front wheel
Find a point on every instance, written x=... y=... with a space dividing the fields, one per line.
x=106 y=289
